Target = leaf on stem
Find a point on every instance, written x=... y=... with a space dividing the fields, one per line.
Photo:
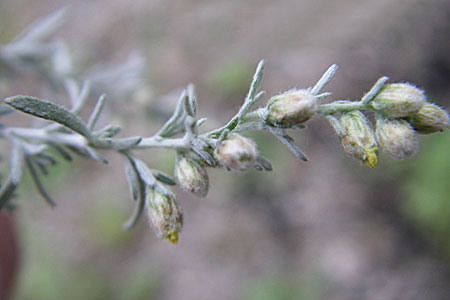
x=175 y=124
x=66 y=155
x=37 y=182
x=96 y=112
x=138 y=208
x=49 y=111
x=7 y=191
x=144 y=172
x=43 y=28
x=164 y=178
x=262 y=163
x=288 y=141
x=132 y=177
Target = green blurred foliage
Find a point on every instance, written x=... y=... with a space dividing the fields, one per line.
x=46 y=279
x=308 y=286
x=427 y=188
x=231 y=80
x=104 y=220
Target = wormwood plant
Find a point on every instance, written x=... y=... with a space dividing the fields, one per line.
x=400 y=111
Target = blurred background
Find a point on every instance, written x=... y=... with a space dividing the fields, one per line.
x=327 y=229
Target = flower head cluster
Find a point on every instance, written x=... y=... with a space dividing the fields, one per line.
x=236 y=153
x=291 y=108
x=401 y=111
x=358 y=138
x=164 y=214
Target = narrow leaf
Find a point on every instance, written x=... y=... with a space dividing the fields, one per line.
x=175 y=124
x=95 y=155
x=288 y=141
x=192 y=100
x=138 y=208
x=38 y=184
x=66 y=155
x=7 y=191
x=43 y=28
x=144 y=172
x=164 y=178
x=96 y=112
x=49 y=111
x=264 y=163
x=132 y=177
x=16 y=163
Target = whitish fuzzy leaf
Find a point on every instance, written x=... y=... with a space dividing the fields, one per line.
x=38 y=184
x=49 y=111
x=6 y=191
x=164 y=178
x=144 y=172
x=138 y=208
x=132 y=178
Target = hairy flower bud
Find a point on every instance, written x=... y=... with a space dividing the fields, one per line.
x=164 y=213
x=191 y=176
x=358 y=138
x=291 y=108
x=236 y=153
x=429 y=119
x=396 y=137
x=398 y=100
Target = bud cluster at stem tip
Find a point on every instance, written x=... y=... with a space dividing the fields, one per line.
x=191 y=175
x=164 y=213
x=398 y=100
x=291 y=108
x=236 y=153
x=358 y=138
x=396 y=137
x=429 y=119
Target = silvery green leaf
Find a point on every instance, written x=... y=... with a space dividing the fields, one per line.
x=49 y=111
x=66 y=155
x=61 y=60
x=107 y=132
x=38 y=184
x=121 y=79
x=42 y=28
x=42 y=167
x=132 y=178
x=256 y=80
x=175 y=124
x=198 y=147
x=144 y=172
x=200 y=122
x=264 y=163
x=96 y=112
x=31 y=149
x=117 y=144
x=192 y=100
x=95 y=155
x=326 y=77
x=288 y=141
x=47 y=157
x=138 y=208
x=164 y=178
x=6 y=191
x=16 y=163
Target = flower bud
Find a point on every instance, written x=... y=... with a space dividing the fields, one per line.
x=236 y=153
x=164 y=213
x=399 y=100
x=429 y=119
x=396 y=137
x=191 y=176
x=358 y=138
x=291 y=108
